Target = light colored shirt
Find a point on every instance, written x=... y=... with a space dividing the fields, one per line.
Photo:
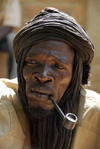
x=14 y=125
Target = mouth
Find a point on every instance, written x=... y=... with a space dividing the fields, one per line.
x=39 y=97
x=40 y=94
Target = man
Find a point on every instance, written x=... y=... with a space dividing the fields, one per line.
x=53 y=53
x=8 y=21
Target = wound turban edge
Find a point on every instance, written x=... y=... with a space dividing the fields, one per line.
x=54 y=24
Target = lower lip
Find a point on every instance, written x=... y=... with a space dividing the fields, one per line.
x=40 y=97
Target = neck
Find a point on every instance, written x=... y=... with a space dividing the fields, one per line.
x=47 y=133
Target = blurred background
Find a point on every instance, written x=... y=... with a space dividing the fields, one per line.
x=87 y=14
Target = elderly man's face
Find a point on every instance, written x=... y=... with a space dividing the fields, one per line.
x=47 y=71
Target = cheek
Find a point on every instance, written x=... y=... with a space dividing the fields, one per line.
x=66 y=78
x=63 y=84
x=26 y=72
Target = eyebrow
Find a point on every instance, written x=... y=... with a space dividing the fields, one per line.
x=62 y=61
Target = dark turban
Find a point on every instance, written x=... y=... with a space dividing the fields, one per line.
x=52 y=24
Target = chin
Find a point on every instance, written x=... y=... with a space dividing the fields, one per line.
x=35 y=104
x=38 y=112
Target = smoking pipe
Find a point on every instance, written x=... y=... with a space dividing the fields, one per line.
x=69 y=120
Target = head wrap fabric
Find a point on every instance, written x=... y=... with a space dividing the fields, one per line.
x=54 y=24
x=48 y=25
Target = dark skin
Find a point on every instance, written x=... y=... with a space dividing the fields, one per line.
x=47 y=71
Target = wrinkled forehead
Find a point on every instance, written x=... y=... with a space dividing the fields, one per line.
x=50 y=45
x=52 y=48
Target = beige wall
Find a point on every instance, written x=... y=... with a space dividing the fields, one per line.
x=75 y=8
x=93 y=28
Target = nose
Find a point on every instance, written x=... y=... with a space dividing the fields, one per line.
x=43 y=75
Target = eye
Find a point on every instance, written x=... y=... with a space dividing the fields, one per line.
x=59 y=66
x=31 y=61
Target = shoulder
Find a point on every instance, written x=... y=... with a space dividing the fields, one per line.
x=8 y=85
x=89 y=110
x=87 y=131
x=89 y=99
x=11 y=114
x=90 y=95
x=9 y=93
